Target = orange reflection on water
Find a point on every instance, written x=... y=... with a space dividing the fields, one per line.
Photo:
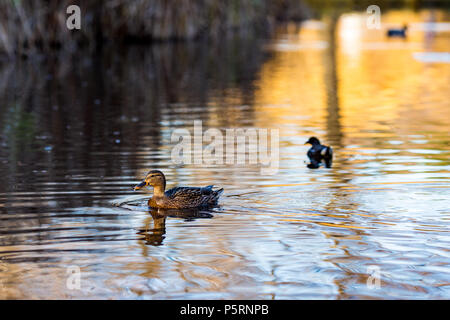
x=339 y=79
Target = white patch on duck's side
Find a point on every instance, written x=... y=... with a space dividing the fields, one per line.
x=323 y=151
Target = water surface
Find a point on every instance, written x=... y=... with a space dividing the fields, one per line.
x=79 y=132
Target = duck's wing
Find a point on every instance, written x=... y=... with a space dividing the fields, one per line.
x=310 y=154
x=314 y=158
x=192 y=196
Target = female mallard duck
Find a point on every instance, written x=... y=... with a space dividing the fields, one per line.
x=178 y=197
x=319 y=152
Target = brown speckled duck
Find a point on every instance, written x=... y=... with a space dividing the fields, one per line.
x=178 y=197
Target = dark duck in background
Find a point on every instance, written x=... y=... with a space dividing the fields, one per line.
x=318 y=153
x=178 y=197
x=401 y=33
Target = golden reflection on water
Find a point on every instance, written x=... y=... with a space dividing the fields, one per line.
x=364 y=94
x=380 y=84
x=297 y=234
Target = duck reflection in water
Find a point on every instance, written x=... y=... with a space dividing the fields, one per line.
x=155 y=235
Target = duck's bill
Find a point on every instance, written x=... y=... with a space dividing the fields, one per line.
x=140 y=185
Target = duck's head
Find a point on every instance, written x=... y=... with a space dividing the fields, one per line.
x=313 y=141
x=154 y=178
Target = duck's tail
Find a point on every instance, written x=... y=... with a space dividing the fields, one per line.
x=214 y=194
x=217 y=193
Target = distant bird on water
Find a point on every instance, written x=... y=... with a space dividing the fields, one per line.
x=401 y=33
x=178 y=197
x=318 y=153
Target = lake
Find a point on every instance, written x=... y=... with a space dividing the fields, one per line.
x=79 y=131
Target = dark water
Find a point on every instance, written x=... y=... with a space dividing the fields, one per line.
x=78 y=132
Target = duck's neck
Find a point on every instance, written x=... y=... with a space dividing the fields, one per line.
x=158 y=190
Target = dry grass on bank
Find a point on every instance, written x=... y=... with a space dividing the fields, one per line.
x=41 y=24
